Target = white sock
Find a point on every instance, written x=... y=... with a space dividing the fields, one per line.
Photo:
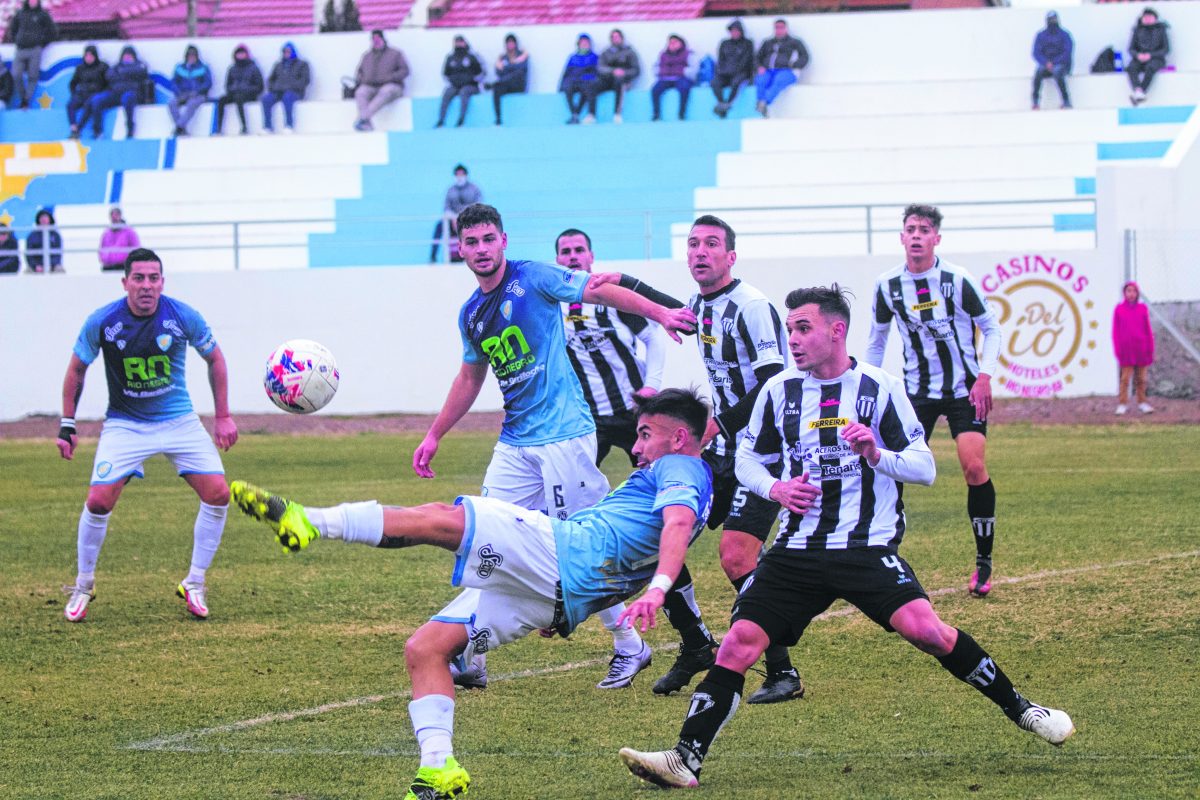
x=92 y=530
x=433 y=723
x=206 y=538
x=350 y=522
x=625 y=638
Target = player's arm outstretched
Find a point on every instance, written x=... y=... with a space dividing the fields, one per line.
x=678 y=524
x=225 y=432
x=603 y=290
x=72 y=389
x=463 y=392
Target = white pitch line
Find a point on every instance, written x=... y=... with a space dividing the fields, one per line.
x=174 y=742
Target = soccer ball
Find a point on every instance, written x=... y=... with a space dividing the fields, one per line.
x=302 y=376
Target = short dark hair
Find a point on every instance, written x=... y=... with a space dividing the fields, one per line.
x=479 y=214
x=717 y=222
x=685 y=405
x=141 y=254
x=572 y=232
x=930 y=213
x=457 y=167
x=833 y=301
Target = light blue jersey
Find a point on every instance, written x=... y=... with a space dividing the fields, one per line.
x=610 y=551
x=517 y=327
x=144 y=357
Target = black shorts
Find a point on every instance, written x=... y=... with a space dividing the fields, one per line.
x=959 y=414
x=738 y=508
x=790 y=587
x=618 y=430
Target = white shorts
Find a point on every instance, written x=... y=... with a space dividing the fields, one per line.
x=559 y=478
x=509 y=563
x=125 y=445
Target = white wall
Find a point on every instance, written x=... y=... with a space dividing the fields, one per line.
x=393 y=331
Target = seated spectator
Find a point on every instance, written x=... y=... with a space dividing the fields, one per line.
x=125 y=81
x=288 y=84
x=1052 y=52
x=674 y=69
x=735 y=66
x=31 y=28
x=192 y=79
x=6 y=85
x=43 y=245
x=462 y=193
x=462 y=71
x=619 y=67
x=89 y=79
x=779 y=59
x=381 y=75
x=10 y=260
x=243 y=84
x=512 y=73
x=1148 y=48
x=578 y=80
x=117 y=241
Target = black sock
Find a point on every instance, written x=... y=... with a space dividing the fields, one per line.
x=971 y=664
x=713 y=704
x=981 y=508
x=681 y=615
x=776 y=655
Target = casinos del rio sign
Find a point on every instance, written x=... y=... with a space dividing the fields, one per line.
x=1048 y=322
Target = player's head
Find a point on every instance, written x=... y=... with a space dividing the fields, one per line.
x=143 y=281
x=920 y=231
x=817 y=321
x=481 y=239
x=710 y=253
x=671 y=421
x=573 y=250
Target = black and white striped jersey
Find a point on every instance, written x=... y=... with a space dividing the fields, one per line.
x=603 y=346
x=937 y=314
x=739 y=331
x=800 y=418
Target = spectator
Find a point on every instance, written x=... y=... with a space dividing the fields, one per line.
x=1133 y=342
x=31 y=29
x=462 y=71
x=192 y=79
x=1148 y=48
x=125 y=81
x=779 y=59
x=243 y=84
x=6 y=85
x=512 y=73
x=462 y=193
x=381 y=75
x=116 y=242
x=578 y=80
x=674 y=69
x=89 y=79
x=619 y=67
x=1052 y=51
x=43 y=245
x=288 y=84
x=10 y=260
x=735 y=66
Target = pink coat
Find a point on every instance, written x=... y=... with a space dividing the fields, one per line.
x=1133 y=339
x=116 y=243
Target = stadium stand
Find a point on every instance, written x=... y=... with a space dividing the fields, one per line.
x=481 y=13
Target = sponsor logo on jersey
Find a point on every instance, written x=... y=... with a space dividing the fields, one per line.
x=172 y=326
x=831 y=402
x=514 y=287
x=708 y=339
x=926 y=306
x=923 y=290
x=110 y=333
x=916 y=433
x=830 y=422
x=506 y=309
x=163 y=341
x=765 y=345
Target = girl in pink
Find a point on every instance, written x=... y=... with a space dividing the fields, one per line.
x=1133 y=342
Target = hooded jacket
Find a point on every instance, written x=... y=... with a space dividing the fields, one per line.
x=1150 y=39
x=129 y=77
x=462 y=67
x=1053 y=45
x=735 y=57
x=674 y=64
x=289 y=74
x=580 y=67
x=786 y=53
x=192 y=80
x=620 y=56
x=42 y=242
x=89 y=80
x=386 y=65
x=243 y=77
x=1133 y=338
x=32 y=27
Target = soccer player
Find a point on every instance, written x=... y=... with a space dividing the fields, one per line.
x=529 y=570
x=740 y=336
x=144 y=337
x=603 y=346
x=848 y=439
x=938 y=308
x=546 y=457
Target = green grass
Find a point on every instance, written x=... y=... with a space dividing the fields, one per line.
x=1115 y=640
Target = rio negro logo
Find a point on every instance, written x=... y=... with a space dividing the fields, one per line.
x=143 y=373
x=509 y=352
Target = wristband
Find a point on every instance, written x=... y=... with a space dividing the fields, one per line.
x=661 y=582
x=66 y=428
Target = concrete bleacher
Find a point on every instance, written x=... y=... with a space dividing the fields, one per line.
x=481 y=13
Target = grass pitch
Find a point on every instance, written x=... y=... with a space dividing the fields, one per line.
x=295 y=687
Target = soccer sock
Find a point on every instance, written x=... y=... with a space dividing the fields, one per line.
x=350 y=522
x=625 y=637
x=92 y=530
x=433 y=723
x=683 y=613
x=971 y=664
x=206 y=538
x=981 y=508
x=713 y=704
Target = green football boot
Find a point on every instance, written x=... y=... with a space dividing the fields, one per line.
x=292 y=529
x=439 y=783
